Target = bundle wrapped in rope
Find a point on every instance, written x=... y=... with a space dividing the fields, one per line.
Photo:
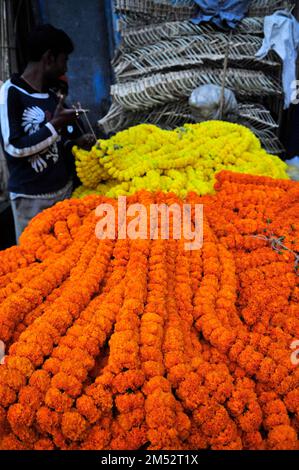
x=183 y=52
x=157 y=10
x=163 y=57
x=150 y=34
x=262 y=8
x=134 y=14
x=157 y=89
x=105 y=337
x=260 y=121
x=168 y=116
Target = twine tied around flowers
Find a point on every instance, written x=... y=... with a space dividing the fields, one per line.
x=277 y=245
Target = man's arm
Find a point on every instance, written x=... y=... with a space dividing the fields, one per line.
x=15 y=143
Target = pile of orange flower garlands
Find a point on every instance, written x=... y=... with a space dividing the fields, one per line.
x=132 y=344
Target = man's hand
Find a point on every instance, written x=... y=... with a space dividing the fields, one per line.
x=63 y=117
x=85 y=142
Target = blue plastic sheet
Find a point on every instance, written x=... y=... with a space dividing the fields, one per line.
x=223 y=13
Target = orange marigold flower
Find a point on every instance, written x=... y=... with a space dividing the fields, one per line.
x=57 y=400
x=87 y=408
x=282 y=438
x=73 y=425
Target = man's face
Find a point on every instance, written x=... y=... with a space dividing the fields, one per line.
x=56 y=66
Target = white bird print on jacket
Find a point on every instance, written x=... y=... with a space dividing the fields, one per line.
x=32 y=120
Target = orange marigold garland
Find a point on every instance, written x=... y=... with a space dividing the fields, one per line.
x=104 y=337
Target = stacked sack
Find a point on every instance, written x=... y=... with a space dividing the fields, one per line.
x=163 y=57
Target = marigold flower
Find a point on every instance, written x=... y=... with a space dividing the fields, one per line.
x=47 y=420
x=107 y=336
x=282 y=438
x=57 y=400
x=73 y=425
x=44 y=444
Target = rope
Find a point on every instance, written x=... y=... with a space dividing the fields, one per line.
x=224 y=75
x=276 y=243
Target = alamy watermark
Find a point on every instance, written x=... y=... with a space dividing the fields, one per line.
x=2 y=353
x=295 y=353
x=153 y=222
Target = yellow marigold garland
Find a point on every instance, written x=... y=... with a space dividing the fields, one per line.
x=179 y=161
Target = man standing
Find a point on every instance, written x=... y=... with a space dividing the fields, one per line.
x=33 y=122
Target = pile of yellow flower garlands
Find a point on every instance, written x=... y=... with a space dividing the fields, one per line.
x=139 y=344
x=179 y=161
